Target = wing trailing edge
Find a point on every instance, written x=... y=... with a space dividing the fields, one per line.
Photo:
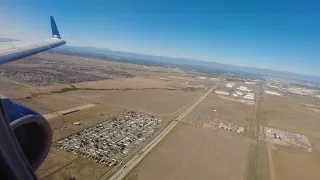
x=11 y=51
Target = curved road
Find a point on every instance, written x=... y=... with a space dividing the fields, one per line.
x=120 y=174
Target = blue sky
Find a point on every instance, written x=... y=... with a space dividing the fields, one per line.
x=273 y=34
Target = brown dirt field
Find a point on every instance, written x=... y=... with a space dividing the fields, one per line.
x=99 y=110
x=14 y=90
x=271 y=163
x=81 y=168
x=49 y=103
x=87 y=118
x=54 y=161
x=183 y=78
x=133 y=83
x=302 y=99
x=228 y=111
x=316 y=110
x=287 y=115
x=6 y=85
x=258 y=163
x=193 y=153
x=232 y=111
x=192 y=81
x=67 y=111
x=295 y=164
x=61 y=132
x=56 y=87
x=17 y=94
x=155 y=102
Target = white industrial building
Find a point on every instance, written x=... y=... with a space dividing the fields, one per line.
x=214 y=79
x=272 y=92
x=230 y=85
x=240 y=130
x=249 y=96
x=222 y=92
x=202 y=77
x=250 y=82
x=76 y=123
x=243 y=88
x=239 y=93
x=301 y=91
x=225 y=127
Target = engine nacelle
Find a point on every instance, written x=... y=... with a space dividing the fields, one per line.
x=32 y=131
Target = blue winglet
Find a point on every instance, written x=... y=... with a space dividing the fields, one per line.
x=54 y=29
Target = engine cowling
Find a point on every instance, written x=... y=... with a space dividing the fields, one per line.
x=32 y=131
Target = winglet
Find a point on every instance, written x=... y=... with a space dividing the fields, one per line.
x=54 y=29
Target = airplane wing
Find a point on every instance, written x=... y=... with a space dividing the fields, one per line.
x=11 y=51
x=25 y=134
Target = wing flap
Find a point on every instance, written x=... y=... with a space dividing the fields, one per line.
x=16 y=51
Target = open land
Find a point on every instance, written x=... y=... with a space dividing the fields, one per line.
x=225 y=109
x=49 y=103
x=296 y=121
x=80 y=168
x=62 y=126
x=198 y=142
x=135 y=160
x=222 y=138
x=287 y=115
x=212 y=152
x=214 y=110
x=155 y=102
x=78 y=93
x=234 y=112
x=292 y=163
x=55 y=160
x=48 y=69
x=303 y=99
x=310 y=102
x=15 y=90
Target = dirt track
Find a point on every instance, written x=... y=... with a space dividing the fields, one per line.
x=271 y=163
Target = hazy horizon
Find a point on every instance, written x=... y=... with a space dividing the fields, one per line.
x=194 y=59
x=268 y=35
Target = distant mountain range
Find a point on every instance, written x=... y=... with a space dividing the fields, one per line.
x=204 y=66
x=7 y=39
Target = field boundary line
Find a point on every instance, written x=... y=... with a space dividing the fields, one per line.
x=271 y=164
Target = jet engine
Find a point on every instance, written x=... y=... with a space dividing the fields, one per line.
x=32 y=131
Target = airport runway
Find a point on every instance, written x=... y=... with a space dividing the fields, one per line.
x=120 y=174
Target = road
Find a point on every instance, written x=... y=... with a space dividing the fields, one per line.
x=120 y=174
x=254 y=123
x=255 y=133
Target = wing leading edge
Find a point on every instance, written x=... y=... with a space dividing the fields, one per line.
x=11 y=51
